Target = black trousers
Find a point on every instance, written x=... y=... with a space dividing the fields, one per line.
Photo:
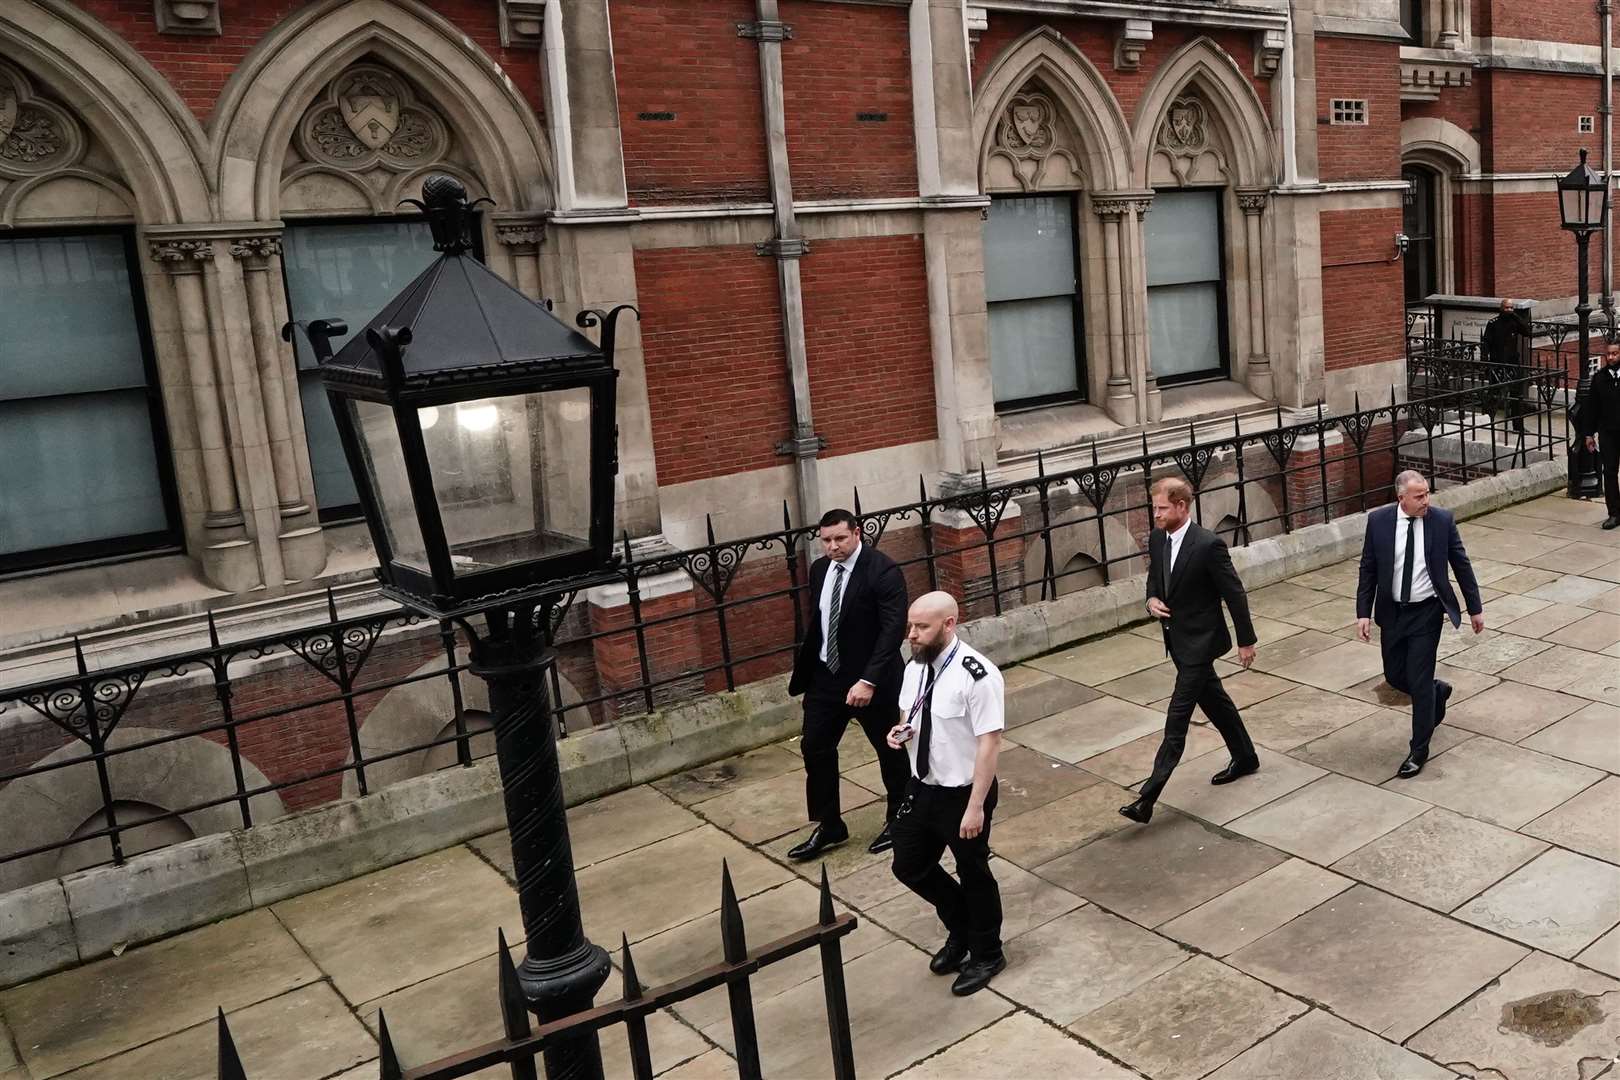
x=928 y=822
x=1609 y=456
x=826 y=716
x=1409 y=643
x=1196 y=685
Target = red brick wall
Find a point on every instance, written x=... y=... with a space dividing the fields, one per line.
x=711 y=327
x=1352 y=68
x=1544 y=20
x=1532 y=255
x=866 y=332
x=1533 y=121
x=684 y=57
x=1363 y=292
x=843 y=60
x=199 y=67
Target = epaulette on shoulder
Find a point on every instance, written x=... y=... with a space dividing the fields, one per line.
x=973 y=667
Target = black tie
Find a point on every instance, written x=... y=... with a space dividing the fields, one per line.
x=926 y=727
x=832 y=618
x=1169 y=551
x=1411 y=557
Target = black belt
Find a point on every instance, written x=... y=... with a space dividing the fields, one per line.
x=1435 y=599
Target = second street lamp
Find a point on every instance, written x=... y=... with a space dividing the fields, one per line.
x=1583 y=206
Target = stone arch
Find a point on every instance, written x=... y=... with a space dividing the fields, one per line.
x=1045 y=57
x=1075 y=533
x=269 y=94
x=155 y=143
x=1236 y=116
x=168 y=776
x=1212 y=508
x=1434 y=141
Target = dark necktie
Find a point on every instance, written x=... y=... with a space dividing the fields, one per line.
x=1169 y=565
x=925 y=728
x=1411 y=557
x=832 y=618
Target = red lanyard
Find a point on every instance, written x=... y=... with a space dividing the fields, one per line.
x=924 y=693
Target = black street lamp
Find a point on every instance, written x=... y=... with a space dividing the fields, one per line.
x=480 y=431
x=1583 y=205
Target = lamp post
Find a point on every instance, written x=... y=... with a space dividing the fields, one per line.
x=1583 y=207
x=480 y=431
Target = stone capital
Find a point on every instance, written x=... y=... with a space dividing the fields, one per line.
x=182 y=256
x=258 y=249
x=520 y=233
x=1253 y=202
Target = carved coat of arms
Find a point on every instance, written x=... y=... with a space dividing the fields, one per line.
x=1184 y=126
x=1026 y=129
x=370 y=106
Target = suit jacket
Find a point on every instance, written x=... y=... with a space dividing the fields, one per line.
x=1202 y=578
x=1601 y=412
x=871 y=625
x=1442 y=545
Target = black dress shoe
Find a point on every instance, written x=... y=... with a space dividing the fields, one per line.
x=1235 y=770
x=976 y=974
x=1411 y=766
x=820 y=839
x=1610 y=523
x=1139 y=811
x=1442 y=694
x=882 y=841
x=949 y=958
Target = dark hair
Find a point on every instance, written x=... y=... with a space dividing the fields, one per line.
x=840 y=517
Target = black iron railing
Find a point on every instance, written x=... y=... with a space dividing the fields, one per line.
x=249 y=729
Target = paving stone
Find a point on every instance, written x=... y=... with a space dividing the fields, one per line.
x=1525 y=580
x=1372 y=748
x=864 y=823
x=685 y=869
x=1061 y=825
x=1328 y=616
x=696 y=785
x=1322 y=1047
x=1190 y=791
x=1502 y=611
x=1590 y=736
x=714 y=1065
x=1510 y=711
x=1544 y=1020
x=1133 y=762
x=89 y=1013
x=1588 y=823
x=1328 y=819
x=1290 y=650
x=886 y=989
x=447 y=905
x=1267 y=632
x=1509 y=547
x=1464 y=685
x=1604 y=687
x=1277 y=601
x=1300 y=715
x=1019 y=1045
x=1187 y=1021
x=1594 y=633
x=1604 y=953
x=1499 y=652
x=853 y=749
x=1355 y=955
x=1570 y=589
x=1576 y=558
x=1560 y=902
x=1088 y=730
x=1080 y=962
x=1609 y=571
x=1155 y=683
x=870 y=885
x=605 y=827
x=1032 y=694
x=1496 y=781
x=1549 y=620
x=1440 y=858
x=1606 y=601
x=1027 y=901
x=1027 y=779
x=303 y=1033
x=1558 y=667
x=1256 y=907
x=766 y=809
x=10 y=1066
x=1346 y=664
x=1102 y=659
x=1152 y=873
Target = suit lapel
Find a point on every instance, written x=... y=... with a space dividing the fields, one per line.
x=1178 y=569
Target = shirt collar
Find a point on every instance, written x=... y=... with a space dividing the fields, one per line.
x=1400 y=512
x=950 y=646
x=849 y=563
x=1181 y=533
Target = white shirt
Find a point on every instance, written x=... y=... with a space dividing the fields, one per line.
x=826 y=597
x=962 y=709
x=1422 y=587
x=1175 y=546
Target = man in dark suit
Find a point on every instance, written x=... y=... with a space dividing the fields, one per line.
x=1600 y=424
x=849 y=666
x=1404 y=588
x=1189 y=575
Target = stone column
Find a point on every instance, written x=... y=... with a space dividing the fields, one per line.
x=1450 y=25
x=1120 y=401
x=521 y=235
x=1257 y=375
x=1138 y=342
x=582 y=106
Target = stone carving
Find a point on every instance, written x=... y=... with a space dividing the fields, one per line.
x=1029 y=138
x=1184 y=127
x=1135 y=35
x=1252 y=202
x=520 y=235
x=370 y=117
x=1186 y=151
x=178 y=254
x=35 y=136
x=1268 y=51
x=8 y=110
x=255 y=247
x=198 y=18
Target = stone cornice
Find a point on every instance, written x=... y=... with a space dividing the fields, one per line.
x=1225 y=14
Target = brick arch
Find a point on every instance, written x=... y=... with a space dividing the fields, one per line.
x=1237 y=114
x=1076 y=533
x=267 y=96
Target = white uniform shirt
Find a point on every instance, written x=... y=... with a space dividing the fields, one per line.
x=825 y=600
x=1422 y=586
x=963 y=708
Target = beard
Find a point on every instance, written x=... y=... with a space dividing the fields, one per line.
x=927 y=654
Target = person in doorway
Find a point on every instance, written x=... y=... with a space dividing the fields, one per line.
x=1403 y=587
x=953 y=712
x=1190 y=574
x=1600 y=426
x=1500 y=341
x=849 y=667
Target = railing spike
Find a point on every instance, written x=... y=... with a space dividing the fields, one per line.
x=389 y=1060
x=1094 y=451
x=213 y=632
x=331 y=603
x=1358 y=401
x=625 y=538
x=826 y=914
x=708 y=524
x=857 y=494
x=1040 y=463
x=787 y=517
x=230 y=1062
x=922 y=488
x=514 y=1008
x=78 y=657
x=632 y=984
x=733 y=939
x=984 y=480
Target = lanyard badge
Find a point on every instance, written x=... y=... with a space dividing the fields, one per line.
x=922 y=696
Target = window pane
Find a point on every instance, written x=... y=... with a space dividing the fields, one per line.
x=77 y=469
x=1184 y=329
x=1032 y=348
x=1183 y=238
x=346 y=272
x=67 y=321
x=1029 y=248
x=385 y=461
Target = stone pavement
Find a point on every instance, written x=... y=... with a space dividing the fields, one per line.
x=1318 y=921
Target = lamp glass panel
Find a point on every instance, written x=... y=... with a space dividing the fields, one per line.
x=512 y=476
x=389 y=481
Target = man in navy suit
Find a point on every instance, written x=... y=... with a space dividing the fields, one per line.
x=1404 y=588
